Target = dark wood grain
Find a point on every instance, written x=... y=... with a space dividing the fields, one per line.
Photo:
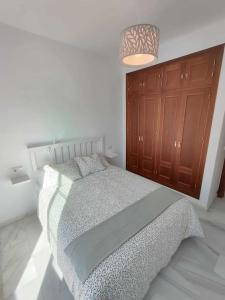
x=149 y=115
x=169 y=115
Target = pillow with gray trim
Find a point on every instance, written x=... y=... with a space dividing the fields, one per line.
x=102 y=158
x=89 y=164
x=69 y=169
x=60 y=174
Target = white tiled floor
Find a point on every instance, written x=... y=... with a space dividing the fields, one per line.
x=27 y=270
x=216 y=212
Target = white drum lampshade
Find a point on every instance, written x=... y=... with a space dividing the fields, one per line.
x=139 y=44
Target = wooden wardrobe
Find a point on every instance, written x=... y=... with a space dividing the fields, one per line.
x=168 y=119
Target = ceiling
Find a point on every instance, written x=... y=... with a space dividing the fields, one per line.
x=96 y=24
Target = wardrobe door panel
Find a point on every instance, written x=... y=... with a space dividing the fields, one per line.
x=191 y=137
x=152 y=80
x=149 y=113
x=173 y=75
x=167 y=137
x=134 y=84
x=132 y=133
x=200 y=70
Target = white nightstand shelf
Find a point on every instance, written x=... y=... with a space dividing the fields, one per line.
x=20 y=179
x=19 y=175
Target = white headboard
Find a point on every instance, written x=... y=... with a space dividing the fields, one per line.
x=64 y=151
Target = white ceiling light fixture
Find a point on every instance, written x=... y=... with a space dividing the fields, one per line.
x=139 y=44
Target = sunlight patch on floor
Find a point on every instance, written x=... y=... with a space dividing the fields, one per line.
x=25 y=259
x=36 y=268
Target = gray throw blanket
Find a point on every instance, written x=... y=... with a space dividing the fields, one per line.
x=89 y=249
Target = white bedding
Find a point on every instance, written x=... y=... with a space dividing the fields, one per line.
x=68 y=211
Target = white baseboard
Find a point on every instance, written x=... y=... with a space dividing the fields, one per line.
x=8 y=222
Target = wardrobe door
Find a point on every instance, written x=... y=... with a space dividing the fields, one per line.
x=149 y=121
x=169 y=116
x=152 y=80
x=134 y=83
x=200 y=69
x=132 y=120
x=173 y=75
x=193 y=133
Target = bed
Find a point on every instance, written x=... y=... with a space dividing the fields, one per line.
x=69 y=210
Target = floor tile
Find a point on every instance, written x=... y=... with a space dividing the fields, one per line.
x=28 y=271
x=27 y=292
x=1 y=291
x=18 y=274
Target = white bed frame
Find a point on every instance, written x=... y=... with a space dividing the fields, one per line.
x=64 y=151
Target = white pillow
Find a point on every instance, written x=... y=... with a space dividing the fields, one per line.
x=103 y=159
x=70 y=169
x=89 y=164
x=61 y=174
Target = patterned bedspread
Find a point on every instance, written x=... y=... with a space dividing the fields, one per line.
x=68 y=211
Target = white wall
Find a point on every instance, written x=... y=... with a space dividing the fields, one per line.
x=48 y=91
x=208 y=36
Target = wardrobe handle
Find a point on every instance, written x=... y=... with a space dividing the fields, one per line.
x=142 y=139
x=139 y=138
x=179 y=144
x=182 y=76
x=213 y=68
x=186 y=75
x=175 y=144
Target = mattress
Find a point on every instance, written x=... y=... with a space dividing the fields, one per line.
x=67 y=212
